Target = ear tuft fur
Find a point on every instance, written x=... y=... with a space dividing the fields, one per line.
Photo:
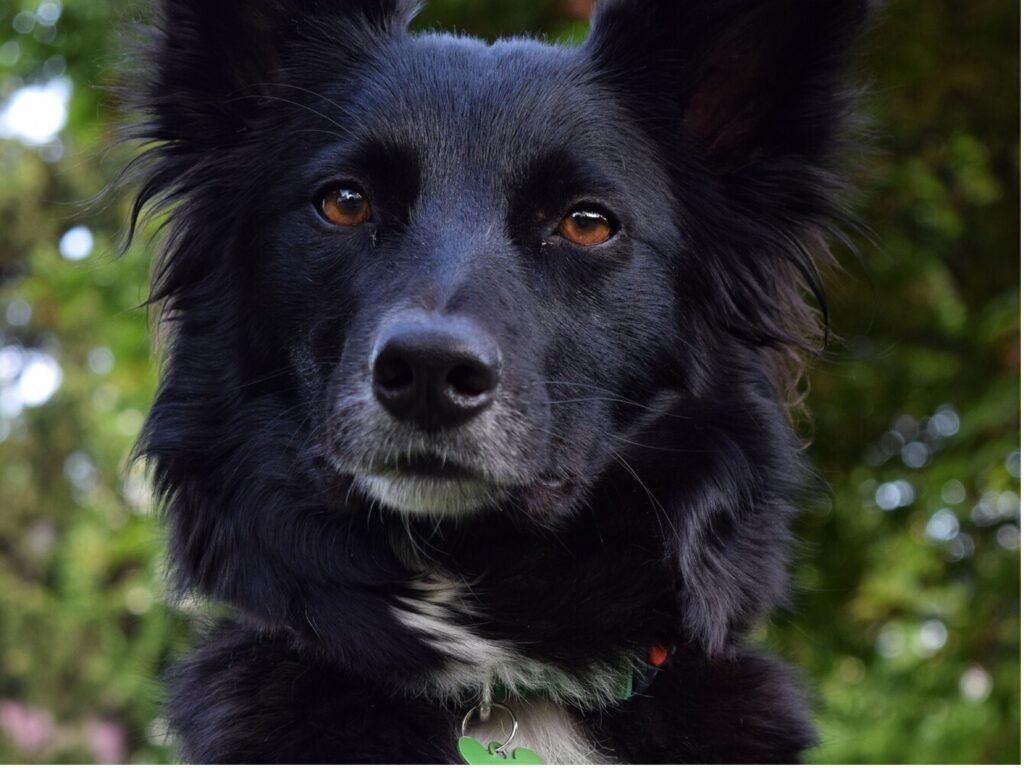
x=211 y=60
x=749 y=78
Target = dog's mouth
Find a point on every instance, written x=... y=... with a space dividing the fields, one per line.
x=428 y=467
x=427 y=484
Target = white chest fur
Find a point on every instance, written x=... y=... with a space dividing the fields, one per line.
x=440 y=614
x=546 y=728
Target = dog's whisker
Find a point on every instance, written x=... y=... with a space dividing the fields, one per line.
x=657 y=505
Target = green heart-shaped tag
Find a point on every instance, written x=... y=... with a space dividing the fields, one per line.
x=473 y=752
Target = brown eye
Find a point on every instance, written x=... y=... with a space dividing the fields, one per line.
x=346 y=207
x=586 y=227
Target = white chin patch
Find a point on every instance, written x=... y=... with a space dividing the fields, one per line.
x=429 y=496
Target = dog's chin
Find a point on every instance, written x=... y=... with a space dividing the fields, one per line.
x=433 y=496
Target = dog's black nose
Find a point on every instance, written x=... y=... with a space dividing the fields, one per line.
x=434 y=370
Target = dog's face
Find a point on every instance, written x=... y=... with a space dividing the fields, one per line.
x=446 y=278
x=467 y=251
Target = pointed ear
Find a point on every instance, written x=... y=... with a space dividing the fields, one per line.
x=208 y=59
x=745 y=78
x=745 y=100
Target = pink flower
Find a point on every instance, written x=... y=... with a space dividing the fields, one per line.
x=106 y=741
x=30 y=730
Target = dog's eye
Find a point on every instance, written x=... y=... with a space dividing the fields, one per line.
x=345 y=207
x=585 y=226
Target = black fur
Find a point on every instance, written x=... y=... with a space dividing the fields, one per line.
x=640 y=421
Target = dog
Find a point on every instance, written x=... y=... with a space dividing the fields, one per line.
x=475 y=410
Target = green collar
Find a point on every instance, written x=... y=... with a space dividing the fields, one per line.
x=633 y=677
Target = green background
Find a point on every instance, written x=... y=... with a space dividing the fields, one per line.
x=905 y=615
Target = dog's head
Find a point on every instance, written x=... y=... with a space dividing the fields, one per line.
x=458 y=278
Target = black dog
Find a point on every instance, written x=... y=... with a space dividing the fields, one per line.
x=474 y=405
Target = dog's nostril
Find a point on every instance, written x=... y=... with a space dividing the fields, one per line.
x=471 y=380
x=394 y=373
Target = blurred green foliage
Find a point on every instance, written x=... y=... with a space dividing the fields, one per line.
x=906 y=603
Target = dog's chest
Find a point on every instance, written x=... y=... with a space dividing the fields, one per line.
x=440 y=611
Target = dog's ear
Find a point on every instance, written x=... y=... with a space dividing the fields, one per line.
x=747 y=79
x=209 y=61
x=745 y=100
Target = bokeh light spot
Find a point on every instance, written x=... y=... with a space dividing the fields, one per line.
x=1008 y=537
x=48 y=12
x=975 y=683
x=10 y=52
x=932 y=637
x=55 y=66
x=1013 y=464
x=129 y=422
x=960 y=548
x=19 y=313
x=942 y=526
x=81 y=472
x=1008 y=504
x=890 y=643
x=76 y=244
x=915 y=454
x=40 y=379
x=24 y=22
x=945 y=423
x=138 y=600
x=28 y=379
x=892 y=442
x=907 y=426
x=100 y=360
x=893 y=495
x=984 y=513
x=953 y=492
x=35 y=114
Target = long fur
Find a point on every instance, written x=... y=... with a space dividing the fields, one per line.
x=639 y=467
